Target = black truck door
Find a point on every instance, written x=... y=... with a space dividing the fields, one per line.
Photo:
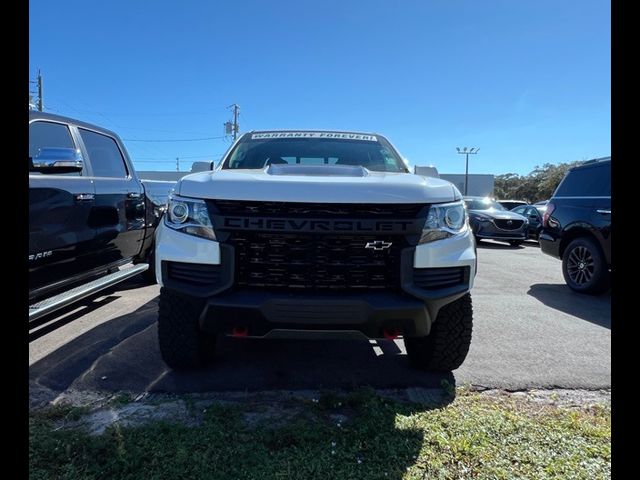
x=60 y=236
x=118 y=214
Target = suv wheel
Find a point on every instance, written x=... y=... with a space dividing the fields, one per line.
x=447 y=345
x=584 y=267
x=182 y=344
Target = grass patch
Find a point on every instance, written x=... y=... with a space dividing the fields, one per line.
x=472 y=437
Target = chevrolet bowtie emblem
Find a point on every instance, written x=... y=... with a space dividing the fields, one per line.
x=378 y=245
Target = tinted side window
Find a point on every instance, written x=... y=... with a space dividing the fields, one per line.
x=49 y=135
x=104 y=155
x=587 y=182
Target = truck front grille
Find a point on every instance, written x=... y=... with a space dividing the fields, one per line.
x=317 y=210
x=315 y=261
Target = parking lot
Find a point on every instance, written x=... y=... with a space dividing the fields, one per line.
x=530 y=331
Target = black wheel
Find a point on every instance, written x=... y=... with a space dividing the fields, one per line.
x=584 y=267
x=182 y=344
x=515 y=243
x=447 y=345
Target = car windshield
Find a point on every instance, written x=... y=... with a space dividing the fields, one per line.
x=483 y=204
x=258 y=150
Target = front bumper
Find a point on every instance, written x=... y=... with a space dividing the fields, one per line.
x=259 y=313
x=490 y=231
x=411 y=309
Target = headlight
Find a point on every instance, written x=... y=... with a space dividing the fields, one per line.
x=444 y=220
x=189 y=216
x=481 y=218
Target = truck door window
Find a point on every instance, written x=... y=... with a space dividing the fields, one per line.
x=49 y=135
x=104 y=155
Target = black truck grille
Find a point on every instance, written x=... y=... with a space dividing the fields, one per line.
x=317 y=210
x=316 y=261
x=508 y=224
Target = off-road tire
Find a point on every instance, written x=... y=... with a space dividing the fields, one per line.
x=600 y=279
x=182 y=344
x=447 y=345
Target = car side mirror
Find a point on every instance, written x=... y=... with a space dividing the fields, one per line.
x=56 y=160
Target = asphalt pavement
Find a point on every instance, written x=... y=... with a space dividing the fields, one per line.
x=530 y=331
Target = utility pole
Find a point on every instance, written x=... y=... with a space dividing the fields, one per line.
x=236 y=127
x=467 y=152
x=40 y=106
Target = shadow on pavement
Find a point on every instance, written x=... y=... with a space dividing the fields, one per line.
x=123 y=355
x=66 y=315
x=595 y=309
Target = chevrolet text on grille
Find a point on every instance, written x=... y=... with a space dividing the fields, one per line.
x=280 y=224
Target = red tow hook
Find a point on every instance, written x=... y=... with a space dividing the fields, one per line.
x=239 y=331
x=391 y=333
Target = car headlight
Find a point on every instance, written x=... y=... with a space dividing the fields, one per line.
x=443 y=221
x=482 y=218
x=189 y=216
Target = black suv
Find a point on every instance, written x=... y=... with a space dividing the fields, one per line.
x=577 y=226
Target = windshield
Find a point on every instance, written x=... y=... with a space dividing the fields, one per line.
x=483 y=204
x=257 y=150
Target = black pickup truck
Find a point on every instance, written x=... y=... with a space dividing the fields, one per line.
x=91 y=223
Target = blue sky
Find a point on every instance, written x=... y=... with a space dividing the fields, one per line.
x=526 y=81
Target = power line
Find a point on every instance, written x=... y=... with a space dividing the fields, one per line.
x=172 y=140
x=167 y=157
x=157 y=161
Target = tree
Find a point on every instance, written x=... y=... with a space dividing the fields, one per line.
x=538 y=185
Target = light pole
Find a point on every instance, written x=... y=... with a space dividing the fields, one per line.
x=467 y=151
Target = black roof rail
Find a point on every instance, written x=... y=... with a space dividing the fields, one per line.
x=594 y=160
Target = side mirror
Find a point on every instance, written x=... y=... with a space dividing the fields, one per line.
x=56 y=160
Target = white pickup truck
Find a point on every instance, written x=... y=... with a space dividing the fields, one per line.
x=318 y=234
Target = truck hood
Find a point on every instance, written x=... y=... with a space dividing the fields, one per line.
x=321 y=184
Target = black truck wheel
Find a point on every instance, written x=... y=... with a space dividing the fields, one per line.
x=584 y=267
x=447 y=345
x=182 y=344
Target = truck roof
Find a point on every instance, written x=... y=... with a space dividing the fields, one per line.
x=33 y=115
